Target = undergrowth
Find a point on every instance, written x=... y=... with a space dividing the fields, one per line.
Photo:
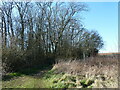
x=67 y=74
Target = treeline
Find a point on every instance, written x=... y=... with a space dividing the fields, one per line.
x=36 y=33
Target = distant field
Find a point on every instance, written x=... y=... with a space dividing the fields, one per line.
x=108 y=53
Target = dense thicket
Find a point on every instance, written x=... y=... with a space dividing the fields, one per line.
x=35 y=33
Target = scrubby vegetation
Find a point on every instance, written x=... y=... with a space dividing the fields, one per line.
x=99 y=72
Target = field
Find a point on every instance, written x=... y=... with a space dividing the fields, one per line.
x=112 y=54
x=97 y=72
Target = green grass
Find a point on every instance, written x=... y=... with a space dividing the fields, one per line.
x=48 y=80
x=15 y=74
x=24 y=79
x=23 y=82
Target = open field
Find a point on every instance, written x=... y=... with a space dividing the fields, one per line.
x=95 y=72
x=109 y=53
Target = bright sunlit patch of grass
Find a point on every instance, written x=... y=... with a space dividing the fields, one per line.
x=23 y=82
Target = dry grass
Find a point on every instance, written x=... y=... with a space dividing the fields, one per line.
x=91 y=67
x=108 y=53
x=96 y=65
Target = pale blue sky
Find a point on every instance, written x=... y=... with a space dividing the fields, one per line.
x=103 y=17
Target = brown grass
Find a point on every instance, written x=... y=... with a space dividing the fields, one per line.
x=92 y=66
x=95 y=68
x=109 y=53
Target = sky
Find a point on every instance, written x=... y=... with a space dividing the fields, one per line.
x=103 y=17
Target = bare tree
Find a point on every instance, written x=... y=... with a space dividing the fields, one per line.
x=22 y=10
x=43 y=30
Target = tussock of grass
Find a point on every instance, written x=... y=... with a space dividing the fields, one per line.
x=101 y=69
